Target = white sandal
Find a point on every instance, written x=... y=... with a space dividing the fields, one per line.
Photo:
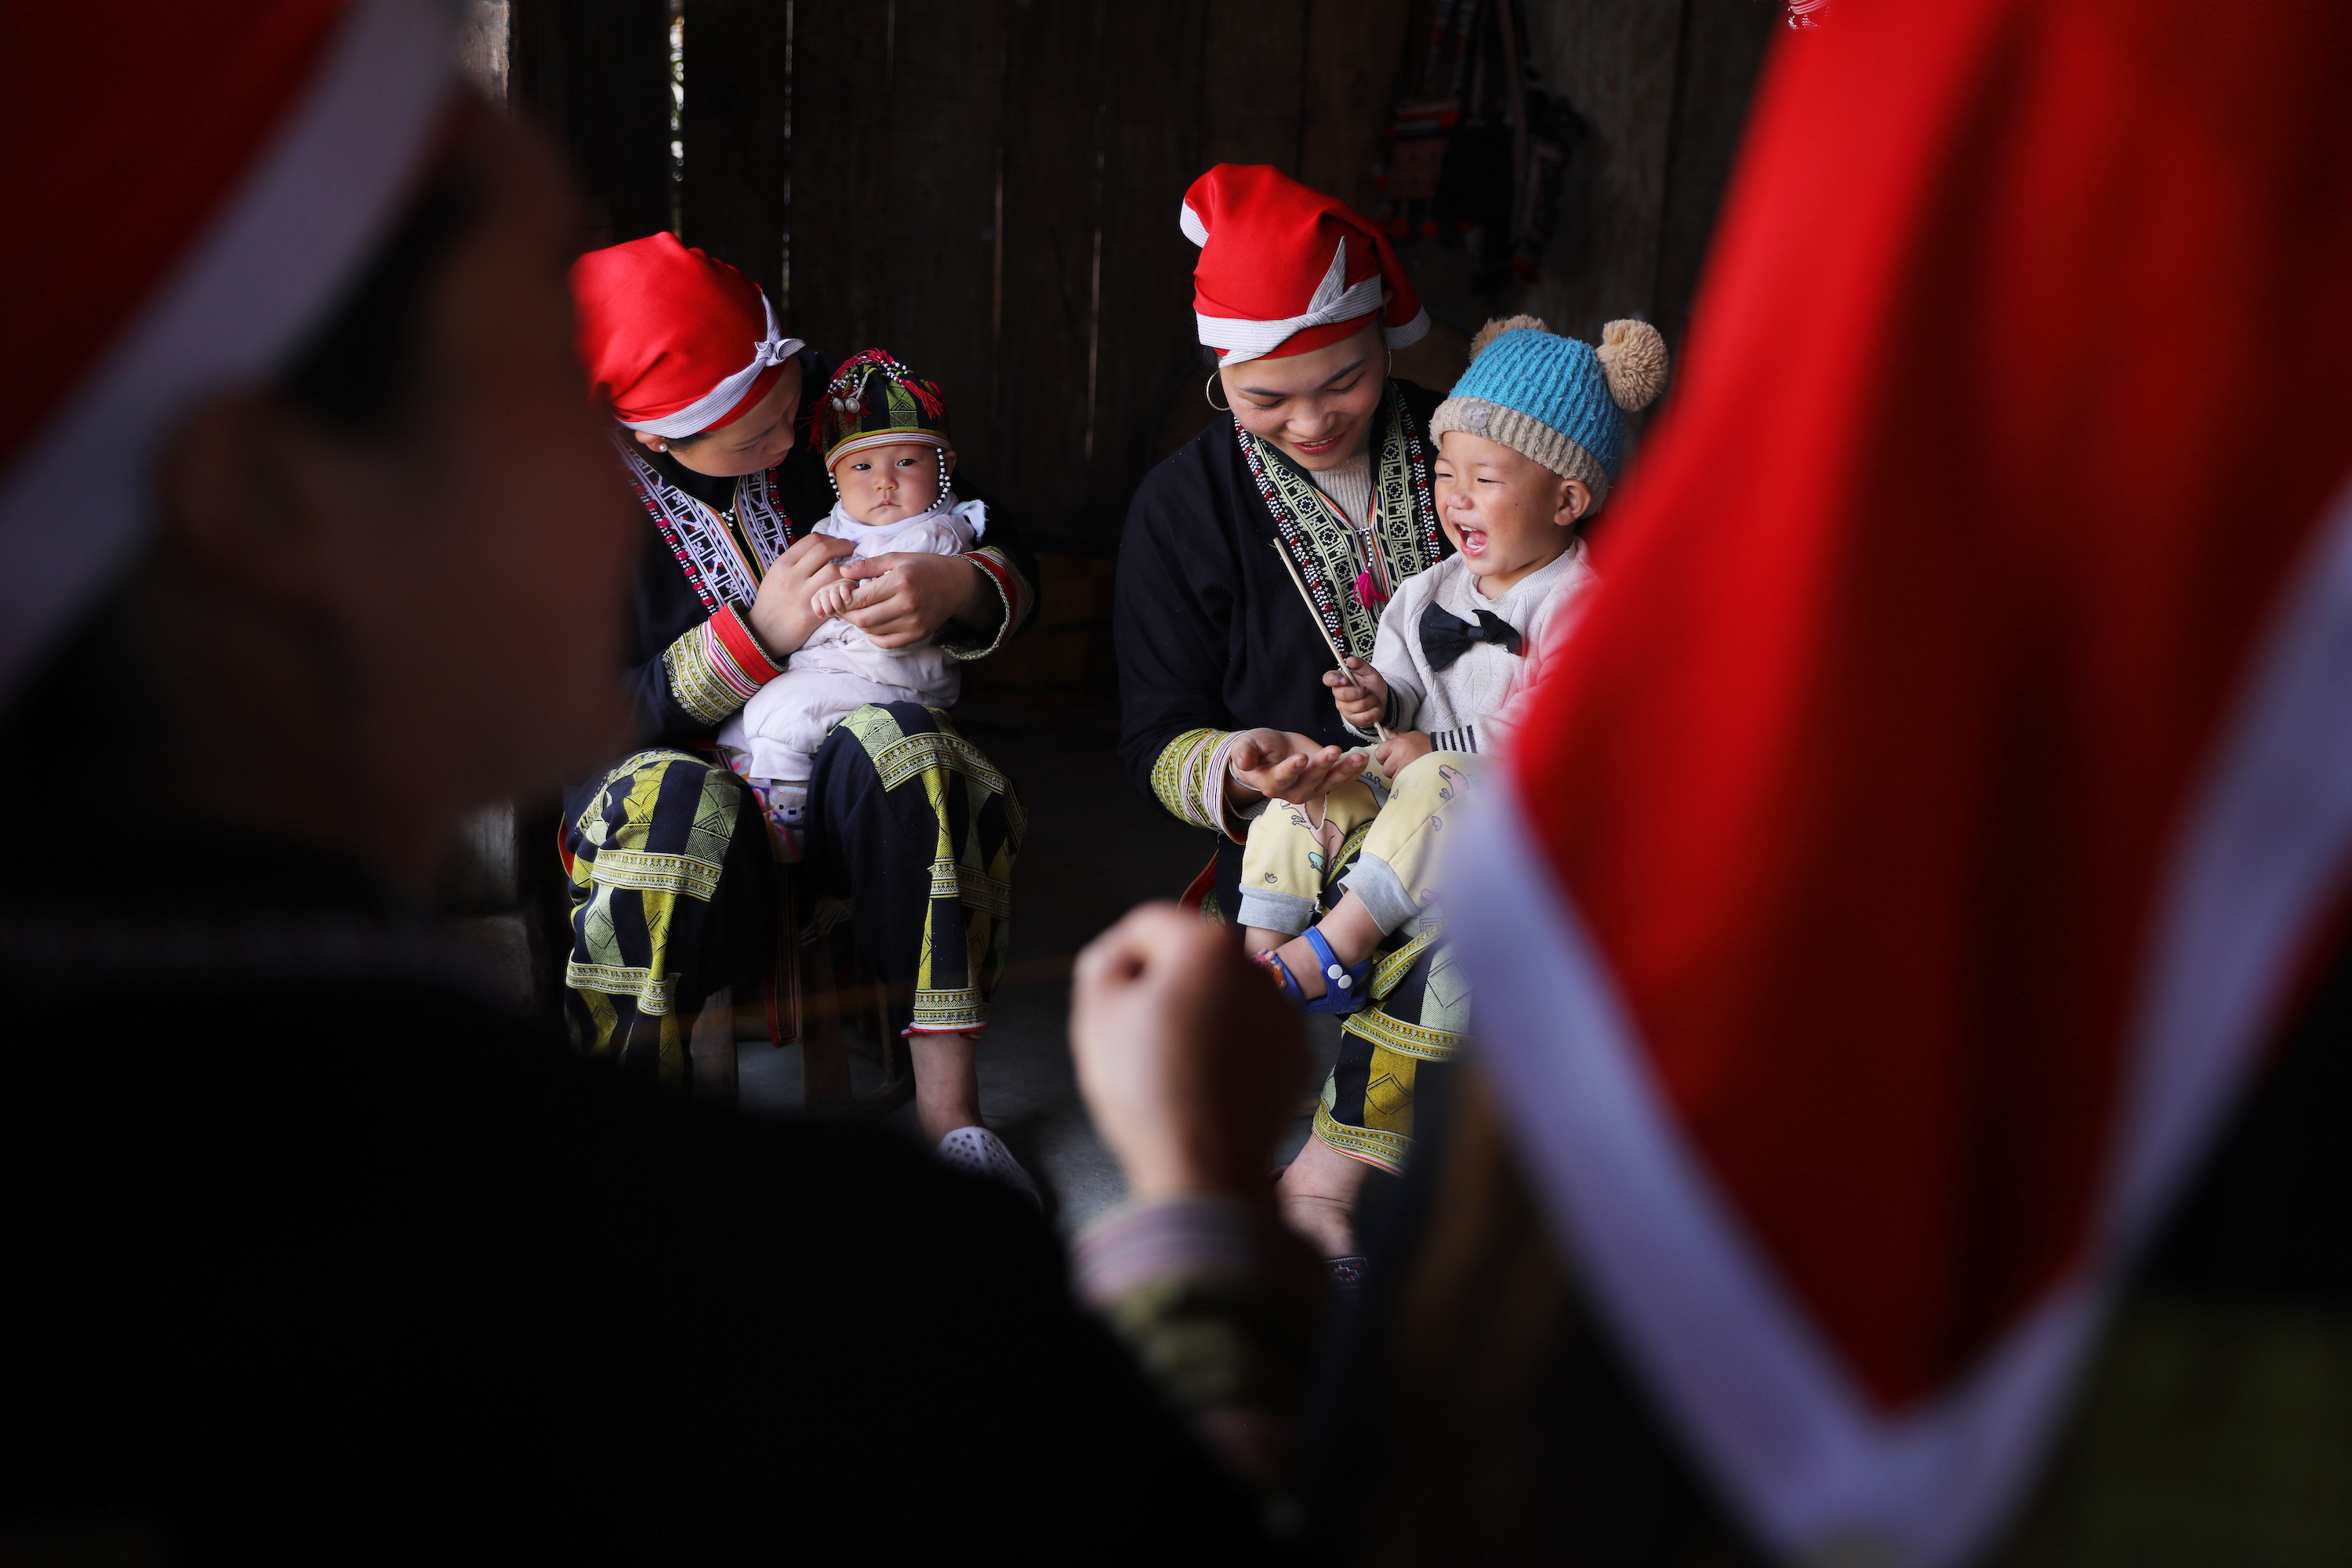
x=977 y=1151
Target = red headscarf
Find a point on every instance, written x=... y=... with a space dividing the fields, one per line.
x=676 y=342
x=1907 y=856
x=1286 y=270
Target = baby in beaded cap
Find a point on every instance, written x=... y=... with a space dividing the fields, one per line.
x=1529 y=442
x=885 y=437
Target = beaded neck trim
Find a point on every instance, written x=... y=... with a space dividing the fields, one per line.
x=723 y=554
x=1321 y=543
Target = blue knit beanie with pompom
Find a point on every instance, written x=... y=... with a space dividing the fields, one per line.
x=1558 y=401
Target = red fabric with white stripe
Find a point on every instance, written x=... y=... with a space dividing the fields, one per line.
x=1268 y=249
x=199 y=184
x=2016 y=397
x=166 y=116
x=663 y=324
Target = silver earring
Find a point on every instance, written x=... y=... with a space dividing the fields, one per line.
x=1220 y=407
x=661 y=445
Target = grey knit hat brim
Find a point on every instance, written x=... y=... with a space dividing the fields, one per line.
x=1523 y=434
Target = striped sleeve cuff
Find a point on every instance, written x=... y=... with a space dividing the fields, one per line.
x=716 y=667
x=1218 y=1304
x=1190 y=780
x=1198 y=1236
x=1012 y=591
x=1466 y=739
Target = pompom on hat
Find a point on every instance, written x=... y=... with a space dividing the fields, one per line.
x=247 y=162
x=1285 y=270
x=676 y=342
x=1558 y=401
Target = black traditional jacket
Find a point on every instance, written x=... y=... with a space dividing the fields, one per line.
x=694 y=660
x=1212 y=632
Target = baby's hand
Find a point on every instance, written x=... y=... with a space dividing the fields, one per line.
x=1363 y=704
x=834 y=598
x=1402 y=750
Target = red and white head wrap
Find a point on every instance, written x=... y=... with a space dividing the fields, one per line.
x=1286 y=270
x=676 y=341
x=247 y=162
x=1890 y=895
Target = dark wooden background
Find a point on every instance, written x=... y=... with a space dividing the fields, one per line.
x=989 y=188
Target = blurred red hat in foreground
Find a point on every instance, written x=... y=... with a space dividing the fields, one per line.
x=200 y=183
x=1908 y=856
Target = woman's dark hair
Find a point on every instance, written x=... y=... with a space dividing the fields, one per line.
x=358 y=369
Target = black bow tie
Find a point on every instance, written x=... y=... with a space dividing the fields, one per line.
x=1445 y=637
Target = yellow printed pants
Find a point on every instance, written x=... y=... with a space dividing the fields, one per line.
x=1392 y=829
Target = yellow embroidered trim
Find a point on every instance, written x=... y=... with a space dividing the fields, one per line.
x=946 y=1010
x=1178 y=777
x=952 y=879
x=1404 y=1039
x=913 y=754
x=1373 y=1147
x=1389 y=970
x=657 y=873
x=653 y=995
x=697 y=689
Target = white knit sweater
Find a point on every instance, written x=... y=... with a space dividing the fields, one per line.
x=1469 y=705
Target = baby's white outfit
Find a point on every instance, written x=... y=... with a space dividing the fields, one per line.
x=839 y=669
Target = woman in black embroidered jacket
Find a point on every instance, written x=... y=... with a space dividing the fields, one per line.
x=673 y=893
x=1320 y=467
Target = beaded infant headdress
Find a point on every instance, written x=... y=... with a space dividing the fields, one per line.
x=875 y=401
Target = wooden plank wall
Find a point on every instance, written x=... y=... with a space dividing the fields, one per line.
x=1664 y=84
x=990 y=191
x=598 y=72
x=989 y=188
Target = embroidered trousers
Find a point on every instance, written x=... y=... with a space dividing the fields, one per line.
x=675 y=884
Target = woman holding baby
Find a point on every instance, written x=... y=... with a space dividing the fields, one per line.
x=808 y=589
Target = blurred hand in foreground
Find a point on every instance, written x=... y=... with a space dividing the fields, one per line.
x=1188 y=1058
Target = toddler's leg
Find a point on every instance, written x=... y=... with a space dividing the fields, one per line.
x=1287 y=861
x=1393 y=879
x=1389 y=883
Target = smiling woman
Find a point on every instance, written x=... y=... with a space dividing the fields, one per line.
x=1316 y=479
x=1318 y=406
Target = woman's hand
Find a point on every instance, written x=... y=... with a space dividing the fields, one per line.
x=1365 y=703
x=1190 y=1061
x=1402 y=750
x=782 y=616
x=920 y=594
x=1287 y=766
